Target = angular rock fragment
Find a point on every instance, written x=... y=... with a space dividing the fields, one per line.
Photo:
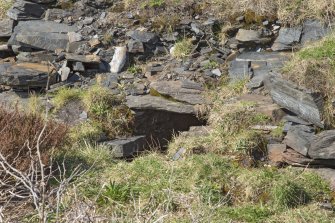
x=245 y=35
x=128 y=147
x=288 y=37
x=299 y=138
x=323 y=146
x=25 y=10
x=313 y=30
x=306 y=105
x=143 y=36
x=83 y=58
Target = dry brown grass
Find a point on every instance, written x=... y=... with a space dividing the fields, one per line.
x=288 y=11
x=4 y=6
x=20 y=131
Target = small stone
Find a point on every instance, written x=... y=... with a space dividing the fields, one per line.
x=217 y=72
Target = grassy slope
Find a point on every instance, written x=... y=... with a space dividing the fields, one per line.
x=215 y=186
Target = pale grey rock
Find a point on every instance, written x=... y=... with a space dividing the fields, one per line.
x=119 y=60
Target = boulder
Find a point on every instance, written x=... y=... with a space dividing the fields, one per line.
x=275 y=154
x=25 y=10
x=25 y=75
x=45 y=35
x=159 y=119
x=323 y=146
x=299 y=138
x=288 y=38
x=307 y=105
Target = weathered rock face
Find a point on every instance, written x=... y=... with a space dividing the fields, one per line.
x=6 y=28
x=25 y=75
x=299 y=138
x=158 y=119
x=287 y=38
x=313 y=30
x=184 y=91
x=25 y=10
x=41 y=35
x=256 y=66
x=307 y=106
x=323 y=146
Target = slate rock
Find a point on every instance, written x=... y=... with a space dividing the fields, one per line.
x=184 y=91
x=288 y=37
x=143 y=36
x=307 y=105
x=83 y=58
x=323 y=146
x=239 y=70
x=127 y=147
x=6 y=28
x=148 y=102
x=25 y=75
x=313 y=30
x=244 y=35
x=54 y=14
x=25 y=10
x=41 y=35
x=299 y=138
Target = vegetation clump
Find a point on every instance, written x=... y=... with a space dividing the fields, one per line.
x=107 y=113
x=4 y=6
x=182 y=48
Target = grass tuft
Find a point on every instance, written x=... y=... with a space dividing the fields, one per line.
x=182 y=48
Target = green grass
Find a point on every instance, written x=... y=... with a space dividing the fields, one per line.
x=66 y=95
x=183 y=48
x=207 y=187
x=107 y=113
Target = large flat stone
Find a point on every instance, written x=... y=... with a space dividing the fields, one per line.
x=148 y=102
x=25 y=75
x=184 y=91
x=306 y=105
x=41 y=35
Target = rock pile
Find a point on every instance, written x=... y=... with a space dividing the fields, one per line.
x=87 y=44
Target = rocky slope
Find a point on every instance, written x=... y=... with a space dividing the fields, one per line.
x=163 y=72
